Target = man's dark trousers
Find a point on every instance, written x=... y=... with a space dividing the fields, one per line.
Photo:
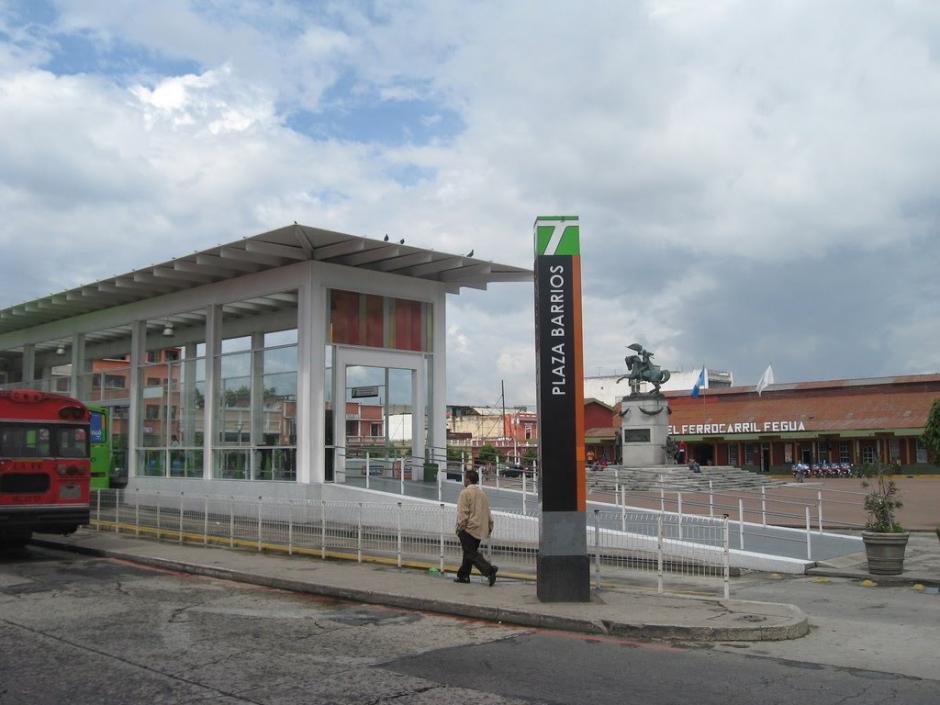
x=471 y=556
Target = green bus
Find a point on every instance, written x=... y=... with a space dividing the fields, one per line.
x=105 y=473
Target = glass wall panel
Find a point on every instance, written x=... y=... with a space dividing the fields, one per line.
x=234 y=415
x=256 y=409
x=275 y=457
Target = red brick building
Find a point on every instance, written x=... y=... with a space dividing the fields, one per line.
x=854 y=421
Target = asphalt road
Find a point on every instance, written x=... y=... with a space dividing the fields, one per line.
x=84 y=630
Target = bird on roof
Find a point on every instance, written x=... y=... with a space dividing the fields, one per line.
x=402 y=241
x=386 y=237
x=470 y=253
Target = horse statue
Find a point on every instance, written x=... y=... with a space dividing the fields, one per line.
x=640 y=368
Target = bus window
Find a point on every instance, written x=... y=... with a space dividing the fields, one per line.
x=72 y=443
x=24 y=442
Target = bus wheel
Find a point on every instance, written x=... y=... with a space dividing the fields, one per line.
x=13 y=542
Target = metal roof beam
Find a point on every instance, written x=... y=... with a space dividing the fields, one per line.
x=460 y=274
x=373 y=255
x=338 y=249
x=271 y=248
x=229 y=264
x=138 y=287
x=239 y=255
x=390 y=265
x=285 y=296
x=439 y=265
x=167 y=273
x=147 y=279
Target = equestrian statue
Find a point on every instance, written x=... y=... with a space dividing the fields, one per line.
x=641 y=369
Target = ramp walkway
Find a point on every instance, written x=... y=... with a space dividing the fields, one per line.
x=754 y=545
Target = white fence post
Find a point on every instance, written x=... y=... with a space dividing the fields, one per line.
x=741 y=522
x=497 y=475
x=401 y=477
x=711 y=499
x=205 y=520
x=809 y=540
x=597 y=550
x=399 y=534
x=259 y=523
x=440 y=482
x=763 y=505
x=158 y=516
x=290 y=529
x=181 y=519
x=137 y=513
x=441 y=568
x=623 y=507
x=819 y=509
x=662 y=496
x=523 y=492
x=726 y=557
x=231 y=523
x=322 y=530
x=359 y=535
x=368 y=470
x=659 y=552
x=679 y=505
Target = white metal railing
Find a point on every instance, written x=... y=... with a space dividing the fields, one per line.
x=679 y=551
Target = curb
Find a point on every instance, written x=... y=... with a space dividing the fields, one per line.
x=793 y=629
x=894 y=580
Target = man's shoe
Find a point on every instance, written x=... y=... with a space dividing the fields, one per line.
x=492 y=575
x=461 y=580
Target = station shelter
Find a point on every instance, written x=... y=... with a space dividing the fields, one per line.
x=855 y=421
x=262 y=365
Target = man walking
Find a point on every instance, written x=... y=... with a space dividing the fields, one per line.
x=474 y=523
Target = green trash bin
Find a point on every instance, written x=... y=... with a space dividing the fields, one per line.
x=430 y=472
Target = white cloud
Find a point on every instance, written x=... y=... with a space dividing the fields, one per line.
x=727 y=160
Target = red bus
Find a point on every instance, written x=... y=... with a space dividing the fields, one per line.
x=45 y=471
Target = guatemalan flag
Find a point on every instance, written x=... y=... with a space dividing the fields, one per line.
x=701 y=384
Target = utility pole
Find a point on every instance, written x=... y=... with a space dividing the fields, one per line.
x=502 y=394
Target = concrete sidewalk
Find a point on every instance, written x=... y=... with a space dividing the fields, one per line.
x=921 y=564
x=614 y=612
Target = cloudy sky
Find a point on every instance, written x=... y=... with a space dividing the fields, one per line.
x=758 y=182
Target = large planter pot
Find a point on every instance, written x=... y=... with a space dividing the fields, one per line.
x=885 y=552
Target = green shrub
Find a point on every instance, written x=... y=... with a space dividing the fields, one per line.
x=881 y=502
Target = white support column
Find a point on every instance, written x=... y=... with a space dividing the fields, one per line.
x=419 y=394
x=437 y=414
x=311 y=399
x=187 y=408
x=134 y=415
x=213 y=370
x=257 y=402
x=29 y=364
x=78 y=366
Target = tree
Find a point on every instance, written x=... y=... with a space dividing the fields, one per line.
x=530 y=455
x=487 y=454
x=931 y=435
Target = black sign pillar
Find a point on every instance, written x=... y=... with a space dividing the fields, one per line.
x=563 y=565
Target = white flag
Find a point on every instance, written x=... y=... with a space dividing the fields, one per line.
x=766 y=379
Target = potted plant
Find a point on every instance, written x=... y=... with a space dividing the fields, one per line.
x=885 y=539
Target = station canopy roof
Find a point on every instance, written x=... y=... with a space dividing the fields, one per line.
x=269 y=250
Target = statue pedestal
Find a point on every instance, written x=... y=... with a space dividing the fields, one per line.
x=643 y=431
